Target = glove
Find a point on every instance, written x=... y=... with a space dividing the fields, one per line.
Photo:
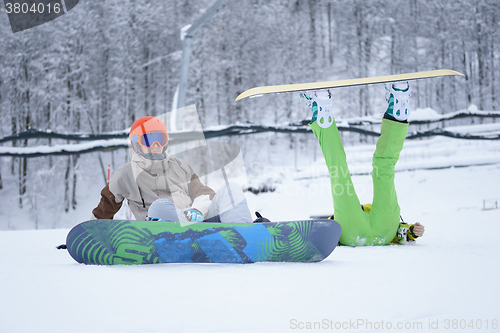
x=402 y=233
x=194 y=215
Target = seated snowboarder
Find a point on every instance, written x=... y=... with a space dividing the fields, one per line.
x=153 y=175
x=370 y=224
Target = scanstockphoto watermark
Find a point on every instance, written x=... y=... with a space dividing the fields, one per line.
x=337 y=180
x=371 y=325
x=264 y=170
x=321 y=189
x=354 y=324
x=26 y=14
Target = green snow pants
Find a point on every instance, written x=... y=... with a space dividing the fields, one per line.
x=379 y=226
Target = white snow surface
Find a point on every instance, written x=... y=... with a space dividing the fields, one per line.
x=447 y=279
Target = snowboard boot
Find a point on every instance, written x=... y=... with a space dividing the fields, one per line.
x=260 y=218
x=398 y=95
x=321 y=104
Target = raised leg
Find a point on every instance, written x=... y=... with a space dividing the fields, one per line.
x=384 y=214
x=347 y=209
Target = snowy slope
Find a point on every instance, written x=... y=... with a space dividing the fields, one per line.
x=451 y=273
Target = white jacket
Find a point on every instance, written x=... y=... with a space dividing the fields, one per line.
x=142 y=181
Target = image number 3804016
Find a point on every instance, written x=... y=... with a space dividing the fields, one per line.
x=26 y=14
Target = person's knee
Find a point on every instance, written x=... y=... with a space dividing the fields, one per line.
x=234 y=187
x=232 y=190
x=162 y=210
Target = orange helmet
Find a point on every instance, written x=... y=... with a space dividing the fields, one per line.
x=146 y=131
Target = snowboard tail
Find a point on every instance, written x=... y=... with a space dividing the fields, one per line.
x=114 y=242
x=344 y=83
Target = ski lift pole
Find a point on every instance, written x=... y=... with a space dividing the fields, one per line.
x=187 y=38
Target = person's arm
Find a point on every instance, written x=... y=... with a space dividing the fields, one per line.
x=107 y=207
x=200 y=194
x=416 y=230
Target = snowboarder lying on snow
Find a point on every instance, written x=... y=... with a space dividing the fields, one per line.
x=370 y=224
x=167 y=184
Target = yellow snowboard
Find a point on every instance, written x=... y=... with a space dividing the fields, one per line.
x=344 y=83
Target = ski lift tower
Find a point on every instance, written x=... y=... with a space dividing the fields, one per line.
x=187 y=34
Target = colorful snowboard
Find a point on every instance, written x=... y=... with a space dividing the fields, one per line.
x=112 y=242
x=344 y=83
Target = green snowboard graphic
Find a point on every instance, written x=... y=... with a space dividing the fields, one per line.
x=112 y=242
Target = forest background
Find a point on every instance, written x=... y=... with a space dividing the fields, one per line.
x=107 y=63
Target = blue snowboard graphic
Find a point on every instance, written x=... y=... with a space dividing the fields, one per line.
x=111 y=242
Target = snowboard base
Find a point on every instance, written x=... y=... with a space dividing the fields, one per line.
x=114 y=242
x=254 y=92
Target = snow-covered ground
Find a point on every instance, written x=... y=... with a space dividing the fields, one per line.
x=447 y=281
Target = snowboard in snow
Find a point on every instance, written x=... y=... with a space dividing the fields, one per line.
x=344 y=83
x=113 y=242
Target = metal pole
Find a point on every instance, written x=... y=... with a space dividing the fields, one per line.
x=186 y=49
x=186 y=53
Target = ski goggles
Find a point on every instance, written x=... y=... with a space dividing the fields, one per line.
x=148 y=139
